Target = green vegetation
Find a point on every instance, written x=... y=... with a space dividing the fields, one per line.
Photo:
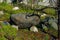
x=47 y=37
x=7 y=30
x=28 y=35
x=7 y=8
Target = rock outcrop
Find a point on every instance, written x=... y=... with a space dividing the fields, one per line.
x=24 y=20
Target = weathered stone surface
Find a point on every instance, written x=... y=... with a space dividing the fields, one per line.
x=1 y=1
x=14 y=26
x=51 y=3
x=1 y=12
x=24 y=21
x=16 y=8
x=44 y=3
x=34 y=29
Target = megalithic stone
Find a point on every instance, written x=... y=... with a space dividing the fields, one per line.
x=23 y=22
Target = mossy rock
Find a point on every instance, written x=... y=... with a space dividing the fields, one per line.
x=50 y=11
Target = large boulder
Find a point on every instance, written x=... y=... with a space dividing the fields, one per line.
x=24 y=20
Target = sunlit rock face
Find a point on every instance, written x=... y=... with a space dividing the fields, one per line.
x=7 y=1
x=43 y=15
x=1 y=12
x=34 y=29
x=44 y=3
x=24 y=21
x=51 y=3
x=25 y=1
x=15 y=8
x=1 y=1
x=14 y=26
